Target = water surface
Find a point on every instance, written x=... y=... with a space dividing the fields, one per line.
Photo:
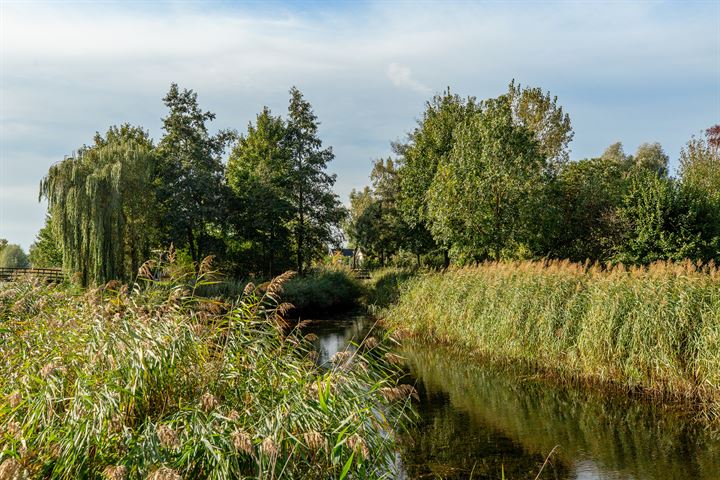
x=476 y=421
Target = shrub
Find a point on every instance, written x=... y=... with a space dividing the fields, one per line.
x=323 y=290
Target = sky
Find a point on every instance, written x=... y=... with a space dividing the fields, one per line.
x=634 y=72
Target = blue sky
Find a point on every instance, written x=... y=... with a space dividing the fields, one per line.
x=625 y=71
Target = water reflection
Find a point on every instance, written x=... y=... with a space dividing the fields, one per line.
x=599 y=437
x=475 y=420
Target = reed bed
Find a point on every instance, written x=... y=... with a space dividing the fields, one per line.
x=652 y=329
x=155 y=382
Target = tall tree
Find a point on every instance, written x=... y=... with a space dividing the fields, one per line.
x=540 y=113
x=651 y=156
x=259 y=174
x=191 y=187
x=483 y=197
x=46 y=251
x=102 y=200
x=317 y=212
x=425 y=150
x=13 y=256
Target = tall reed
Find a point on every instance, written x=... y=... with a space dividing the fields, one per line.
x=655 y=329
x=155 y=382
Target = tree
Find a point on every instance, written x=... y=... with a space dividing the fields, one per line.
x=650 y=156
x=46 y=251
x=191 y=188
x=541 y=115
x=662 y=221
x=259 y=173
x=483 y=197
x=317 y=212
x=13 y=256
x=616 y=154
x=585 y=197
x=102 y=200
x=425 y=150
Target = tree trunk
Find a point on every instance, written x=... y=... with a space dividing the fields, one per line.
x=446 y=258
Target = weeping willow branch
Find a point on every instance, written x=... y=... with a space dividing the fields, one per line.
x=101 y=199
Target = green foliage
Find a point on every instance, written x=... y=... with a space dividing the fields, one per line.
x=485 y=194
x=323 y=290
x=385 y=286
x=190 y=182
x=317 y=212
x=655 y=329
x=541 y=115
x=259 y=173
x=662 y=221
x=101 y=201
x=155 y=382
x=46 y=251
x=13 y=256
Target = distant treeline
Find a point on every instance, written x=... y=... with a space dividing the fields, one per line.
x=268 y=209
x=491 y=180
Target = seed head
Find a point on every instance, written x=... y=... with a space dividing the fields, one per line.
x=371 y=342
x=311 y=337
x=164 y=473
x=12 y=469
x=115 y=472
x=357 y=444
x=269 y=447
x=242 y=441
x=209 y=402
x=14 y=399
x=315 y=440
x=168 y=438
x=392 y=358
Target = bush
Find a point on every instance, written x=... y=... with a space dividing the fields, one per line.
x=385 y=286
x=323 y=290
x=13 y=256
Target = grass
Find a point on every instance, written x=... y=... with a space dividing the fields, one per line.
x=654 y=330
x=155 y=382
x=384 y=287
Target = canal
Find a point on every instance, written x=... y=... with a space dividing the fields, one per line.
x=476 y=421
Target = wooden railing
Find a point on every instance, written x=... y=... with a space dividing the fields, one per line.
x=48 y=274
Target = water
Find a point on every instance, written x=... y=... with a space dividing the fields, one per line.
x=477 y=421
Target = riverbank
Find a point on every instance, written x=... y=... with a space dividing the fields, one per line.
x=654 y=330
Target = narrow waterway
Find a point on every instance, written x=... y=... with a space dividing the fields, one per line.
x=477 y=422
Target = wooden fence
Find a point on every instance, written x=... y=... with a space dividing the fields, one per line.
x=48 y=274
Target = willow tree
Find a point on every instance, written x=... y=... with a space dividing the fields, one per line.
x=102 y=200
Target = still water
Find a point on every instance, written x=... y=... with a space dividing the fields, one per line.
x=477 y=422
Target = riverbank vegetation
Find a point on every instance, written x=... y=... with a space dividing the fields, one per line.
x=652 y=329
x=492 y=179
x=155 y=382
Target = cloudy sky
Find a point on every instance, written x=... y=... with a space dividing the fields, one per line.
x=625 y=71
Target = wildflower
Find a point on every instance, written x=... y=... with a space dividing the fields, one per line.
x=115 y=472
x=164 y=473
x=242 y=442
x=168 y=438
x=315 y=440
x=209 y=402
x=357 y=444
x=14 y=399
x=269 y=447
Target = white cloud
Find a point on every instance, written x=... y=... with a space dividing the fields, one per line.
x=401 y=76
x=630 y=71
